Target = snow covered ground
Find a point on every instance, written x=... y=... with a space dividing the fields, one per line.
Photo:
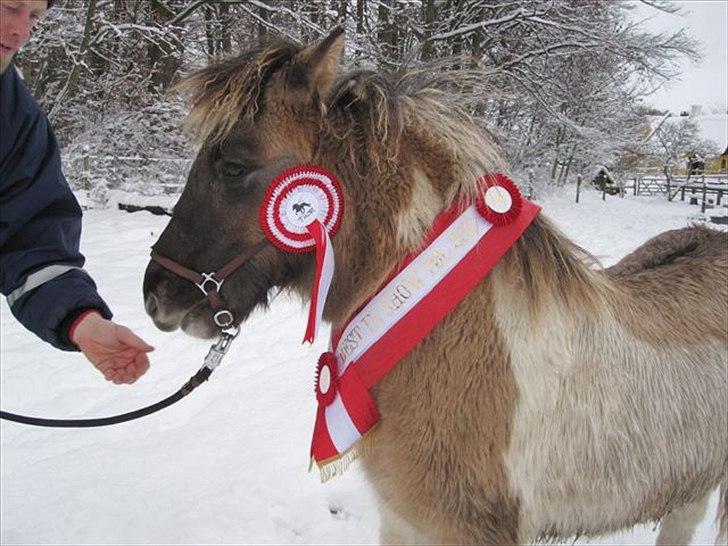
x=228 y=464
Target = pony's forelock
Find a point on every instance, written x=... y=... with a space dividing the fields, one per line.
x=224 y=93
x=364 y=105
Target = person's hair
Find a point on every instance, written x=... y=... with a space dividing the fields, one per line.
x=50 y=3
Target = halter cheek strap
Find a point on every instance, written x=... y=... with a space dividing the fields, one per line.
x=210 y=283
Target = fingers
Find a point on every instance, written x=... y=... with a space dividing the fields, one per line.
x=126 y=375
x=135 y=361
x=125 y=368
x=141 y=363
x=127 y=337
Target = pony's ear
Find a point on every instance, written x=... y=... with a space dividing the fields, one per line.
x=317 y=66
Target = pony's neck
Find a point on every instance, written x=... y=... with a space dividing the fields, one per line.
x=438 y=161
x=545 y=270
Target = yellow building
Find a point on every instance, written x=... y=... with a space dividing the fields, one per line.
x=720 y=163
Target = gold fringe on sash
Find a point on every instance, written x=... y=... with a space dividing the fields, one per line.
x=336 y=466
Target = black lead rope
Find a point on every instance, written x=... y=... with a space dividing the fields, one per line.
x=212 y=361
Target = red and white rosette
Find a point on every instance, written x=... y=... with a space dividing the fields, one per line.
x=301 y=211
x=500 y=201
x=327 y=376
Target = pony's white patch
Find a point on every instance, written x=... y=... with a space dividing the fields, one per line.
x=394 y=529
x=424 y=205
x=678 y=527
x=594 y=445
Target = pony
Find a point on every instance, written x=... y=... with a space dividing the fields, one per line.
x=558 y=399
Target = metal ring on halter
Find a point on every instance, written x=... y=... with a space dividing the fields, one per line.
x=223 y=318
x=209 y=277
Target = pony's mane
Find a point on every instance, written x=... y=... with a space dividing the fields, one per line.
x=381 y=106
x=547 y=265
x=370 y=110
x=231 y=90
x=366 y=109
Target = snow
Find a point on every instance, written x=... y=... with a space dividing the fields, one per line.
x=228 y=464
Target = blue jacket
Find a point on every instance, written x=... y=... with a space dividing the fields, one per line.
x=40 y=223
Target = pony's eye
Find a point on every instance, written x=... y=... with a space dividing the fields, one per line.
x=230 y=169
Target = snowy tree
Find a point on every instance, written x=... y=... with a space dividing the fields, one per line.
x=674 y=142
x=558 y=82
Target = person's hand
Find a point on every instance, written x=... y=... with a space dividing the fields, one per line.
x=113 y=349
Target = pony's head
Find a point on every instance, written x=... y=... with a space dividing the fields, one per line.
x=401 y=149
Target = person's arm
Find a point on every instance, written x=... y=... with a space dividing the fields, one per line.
x=40 y=227
x=40 y=264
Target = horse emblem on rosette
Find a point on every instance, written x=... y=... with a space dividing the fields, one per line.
x=497 y=384
x=302 y=209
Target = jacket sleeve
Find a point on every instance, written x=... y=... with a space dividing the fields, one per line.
x=40 y=226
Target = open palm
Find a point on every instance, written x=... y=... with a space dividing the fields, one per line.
x=114 y=350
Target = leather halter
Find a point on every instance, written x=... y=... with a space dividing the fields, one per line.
x=210 y=283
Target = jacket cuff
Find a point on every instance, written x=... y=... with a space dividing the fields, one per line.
x=68 y=324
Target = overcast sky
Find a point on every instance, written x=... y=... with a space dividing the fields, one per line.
x=706 y=84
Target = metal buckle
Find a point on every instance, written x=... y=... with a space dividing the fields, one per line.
x=223 y=318
x=209 y=277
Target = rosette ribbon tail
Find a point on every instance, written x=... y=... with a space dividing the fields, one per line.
x=322 y=278
x=341 y=423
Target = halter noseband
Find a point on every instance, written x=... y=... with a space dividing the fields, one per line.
x=210 y=283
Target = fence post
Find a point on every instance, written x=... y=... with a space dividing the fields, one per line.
x=667 y=169
x=530 y=184
x=86 y=172
x=637 y=180
x=705 y=195
x=578 y=186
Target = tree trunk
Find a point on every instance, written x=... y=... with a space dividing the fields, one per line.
x=262 y=29
x=387 y=33
x=361 y=8
x=209 y=31
x=226 y=44
x=77 y=61
x=429 y=14
x=343 y=11
x=163 y=58
x=565 y=172
x=557 y=149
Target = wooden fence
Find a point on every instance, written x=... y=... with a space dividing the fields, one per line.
x=707 y=191
x=703 y=190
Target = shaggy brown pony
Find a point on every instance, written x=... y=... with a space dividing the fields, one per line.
x=556 y=400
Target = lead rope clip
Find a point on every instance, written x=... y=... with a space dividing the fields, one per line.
x=220 y=348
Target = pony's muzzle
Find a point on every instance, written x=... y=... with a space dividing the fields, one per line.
x=163 y=301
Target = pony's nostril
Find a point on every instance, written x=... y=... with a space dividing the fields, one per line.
x=151 y=304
